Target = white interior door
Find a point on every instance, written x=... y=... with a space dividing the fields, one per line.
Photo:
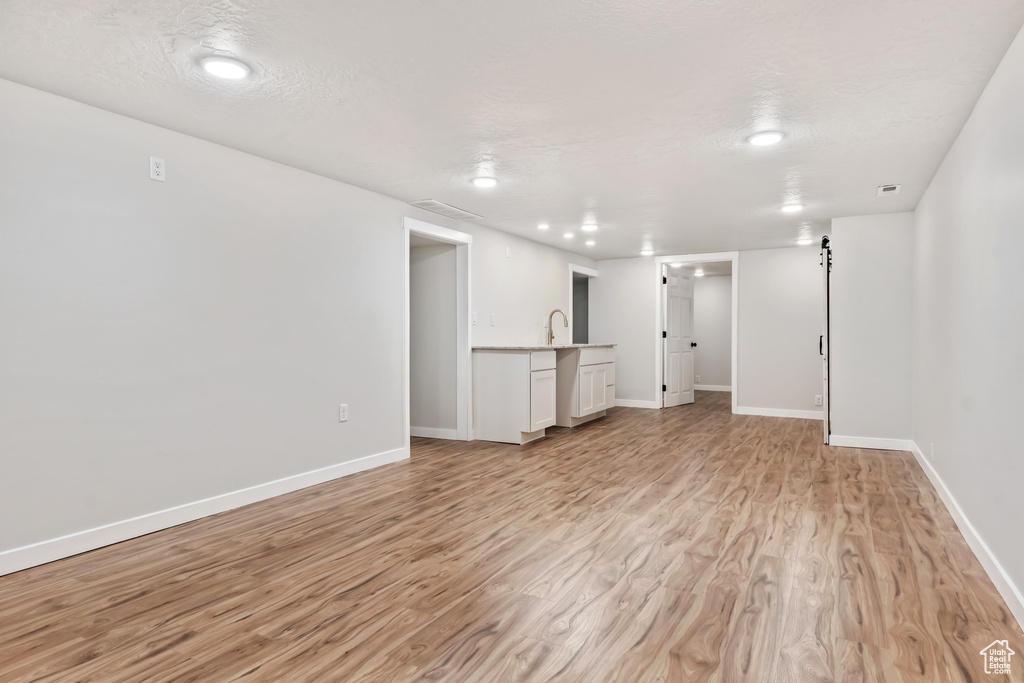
x=677 y=360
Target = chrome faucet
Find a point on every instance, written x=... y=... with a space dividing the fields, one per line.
x=551 y=331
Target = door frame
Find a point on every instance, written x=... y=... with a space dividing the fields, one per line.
x=463 y=353
x=688 y=260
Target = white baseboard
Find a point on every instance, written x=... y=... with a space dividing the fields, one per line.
x=629 y=403
x=780 y=412
x=433 y=433
x=1003 y=583
x=27 y=556
x=712 y=387
x=870 y=442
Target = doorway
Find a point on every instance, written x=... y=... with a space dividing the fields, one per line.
x=579 y=311
x=684 y=325
x=437 y=345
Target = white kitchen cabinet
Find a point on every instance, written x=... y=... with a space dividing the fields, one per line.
x=542 y=399
x=586 y=384
x=518 y=392
x=514 y=394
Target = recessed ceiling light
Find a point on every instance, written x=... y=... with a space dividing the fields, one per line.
x=485 y=181
x=225 y=67
x=568 y=235
x=647 y=252
x=766 y=138
x=676 y=265
x=588 y=227
x=543 y=226
x=699 y=272
x=792 y=208
x=805 y=241
x=591 y=243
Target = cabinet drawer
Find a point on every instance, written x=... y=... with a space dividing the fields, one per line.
x=542 y=360
x=595 y=355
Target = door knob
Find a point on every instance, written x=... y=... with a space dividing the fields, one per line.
x=692 y=344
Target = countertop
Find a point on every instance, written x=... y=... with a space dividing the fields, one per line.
x=537 y=348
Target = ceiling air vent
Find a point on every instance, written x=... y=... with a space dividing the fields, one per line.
x=445 y=210
x=886 y=190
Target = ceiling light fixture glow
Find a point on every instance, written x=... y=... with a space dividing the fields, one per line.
x=676 y=265
x=792 y=208
x=588 y=227
x=485 y=181
x=591 y=243
x=543 y=226
x=568 y=235
x=225 y=67
x=699 y=272
x=804 y=241
x=766 y=138
x=647 y=252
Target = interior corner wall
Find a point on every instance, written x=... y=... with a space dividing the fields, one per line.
x=712 y=329
x=968 y=327
x=519 y=282
x=622 y=312
x=433 y=339
x=871 y=326
x=780 y=320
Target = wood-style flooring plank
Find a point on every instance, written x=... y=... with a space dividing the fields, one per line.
x=670 y=546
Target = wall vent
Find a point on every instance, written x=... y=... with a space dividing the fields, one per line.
x=886 y=190
x=443 y=209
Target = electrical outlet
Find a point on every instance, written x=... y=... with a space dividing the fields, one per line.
x=343 y=412
x=696 y=378
x=508 y=252
x=817 y=399
x=474 y=317
x=157 y=169
x=493 y=320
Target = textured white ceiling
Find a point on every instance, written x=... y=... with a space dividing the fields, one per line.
x=632 y=112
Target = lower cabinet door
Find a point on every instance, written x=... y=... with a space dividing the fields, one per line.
x=601 y=387
x=585 y=395
x=542 y=399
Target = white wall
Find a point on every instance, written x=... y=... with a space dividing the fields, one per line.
x=712 y=329
x=622 y=311
x=520 y=289
x=872 y=282
x=969 y=323
x=780 y=320
x=166 y=343
x=432 y=340
x=780 y=313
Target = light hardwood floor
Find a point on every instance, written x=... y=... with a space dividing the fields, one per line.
x=686 y=544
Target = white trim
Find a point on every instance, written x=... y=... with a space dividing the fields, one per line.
x=869 y=442
x=779 y=412
x=629 y=403
x=582 y=270
x=464 y=354
x=734 y=258
x=432 y=433
x=1003 y=583
x=27 y=556
x=437 y=232
x=712 y=387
